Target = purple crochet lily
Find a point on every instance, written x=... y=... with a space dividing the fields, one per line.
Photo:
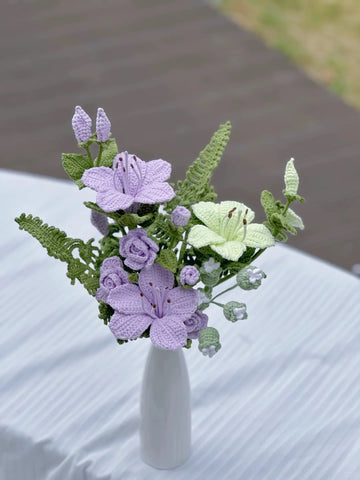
x=153 y=303
x=129 y=181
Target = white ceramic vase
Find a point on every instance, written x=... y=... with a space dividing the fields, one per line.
x=165 y=430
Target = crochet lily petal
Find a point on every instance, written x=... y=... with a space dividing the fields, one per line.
x=230 y=250
x=258 y=236
x=208 y=213
x=98 y=178
x=183 y=302
x=127 y=299
x=237 y=209
x=200 y=236
x=155 y=276
x=156 y=192
x=157 y=171
x=111 y=200
x=168 y=332
x=129 y=327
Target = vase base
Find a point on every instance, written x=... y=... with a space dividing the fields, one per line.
x=162 y=464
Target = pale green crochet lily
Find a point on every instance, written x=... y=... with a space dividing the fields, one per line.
x=227 y=229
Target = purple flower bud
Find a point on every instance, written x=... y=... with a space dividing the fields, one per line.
x=100 y=221
x=138 y=249
x=195 y=323
x=81 y=123
x=189 y=275
x=103 y=125
x=180 y=216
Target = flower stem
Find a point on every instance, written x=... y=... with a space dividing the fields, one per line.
x=97 y=161
x=221 y=293
x=88 y=153
x=183 y=247
x=257 y=254
x=286 y=207
x=225 y=278
x=218 y=304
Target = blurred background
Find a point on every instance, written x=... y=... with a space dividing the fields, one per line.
x=286 y=73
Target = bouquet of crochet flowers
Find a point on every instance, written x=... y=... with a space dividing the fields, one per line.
x=164 y=249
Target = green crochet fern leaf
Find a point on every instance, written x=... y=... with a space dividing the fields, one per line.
x=62 y=247
x=196 y=186
x=164 y=231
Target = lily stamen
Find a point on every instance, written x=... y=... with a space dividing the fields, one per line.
x=231 y=212
x=244 y=228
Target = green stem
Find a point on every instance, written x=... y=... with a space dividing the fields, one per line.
x=257 y=254
x=122 y=229
x=225 y=278
x=218 y=304
x=97 y=161
x=286 y=207
x=183 y=247
x=222 y=293
x=88 y=153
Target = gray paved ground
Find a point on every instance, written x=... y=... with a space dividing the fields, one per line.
x=168 y=72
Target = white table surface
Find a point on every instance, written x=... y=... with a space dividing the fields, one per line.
x=280 y=401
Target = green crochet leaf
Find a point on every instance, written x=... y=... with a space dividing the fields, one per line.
x=269 y=204
x=75 y=165
x=277 y=222
x=60 y=246
x=167 y=259
x=109 y=247
x=105 y=312
x=164 y=231
x=281 y=222
x=132 y=220
x=108 y=153
x=80 y=184
x=210 y=279
x=133 y=277
x=280 y=236
x=196 y=186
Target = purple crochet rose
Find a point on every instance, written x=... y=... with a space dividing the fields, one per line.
x=81 y=123
x=189 y=275
x=129 y=181
x=100 y=221
x=153 y=303
x=112 y=275
x=103 y=125
x=180 y=216
x=138 y=249
x=195 y=323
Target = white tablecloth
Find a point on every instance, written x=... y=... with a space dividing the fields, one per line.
x=280 y=401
